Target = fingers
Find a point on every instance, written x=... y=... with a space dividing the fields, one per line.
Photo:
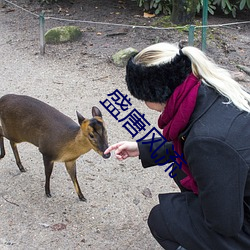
x=124 y=150
x=113 y=147
x=119 y=150
x=121 y=155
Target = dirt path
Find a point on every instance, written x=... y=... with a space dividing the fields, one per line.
x=76 y=77
x=115 y=214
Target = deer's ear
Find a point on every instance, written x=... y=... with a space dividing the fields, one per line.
x=96 y=111
x=80 y=118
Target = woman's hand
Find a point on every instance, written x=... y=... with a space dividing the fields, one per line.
x=124 y=150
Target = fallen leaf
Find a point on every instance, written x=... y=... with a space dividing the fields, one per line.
x=147 y=15
x=58 y=227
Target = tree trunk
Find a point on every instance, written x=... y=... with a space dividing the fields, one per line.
x=183 y=11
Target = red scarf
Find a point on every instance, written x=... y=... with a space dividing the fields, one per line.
x=175 y=117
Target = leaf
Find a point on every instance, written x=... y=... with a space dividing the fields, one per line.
x=234 y=12
x=58 y=227
x=217 y=2
x=229 y=5
x=141 y=3
x=198 y=7
x=146 y=5
x=147 y=15
x=248 y=4
x=242 y=4
x=151 y=4
x=210 y=11
x=223 y=4
x=158 y=10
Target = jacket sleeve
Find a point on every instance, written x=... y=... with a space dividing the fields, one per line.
x=220 y=173
x=146 y=149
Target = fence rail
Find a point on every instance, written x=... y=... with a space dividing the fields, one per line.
x=191 y=28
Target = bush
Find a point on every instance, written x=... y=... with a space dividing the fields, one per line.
x=232 y=6
x=156 y=6
x=47 y=1
x=165 y=6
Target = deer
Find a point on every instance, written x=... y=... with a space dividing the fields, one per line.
x=58 y=138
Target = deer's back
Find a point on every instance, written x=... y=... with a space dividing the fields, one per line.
x=24 y=118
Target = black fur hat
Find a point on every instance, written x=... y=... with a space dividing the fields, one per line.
x=156 y=83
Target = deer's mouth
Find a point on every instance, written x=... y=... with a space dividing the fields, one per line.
x=106 y=156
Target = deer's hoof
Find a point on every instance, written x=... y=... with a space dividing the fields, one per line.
x=82 y=198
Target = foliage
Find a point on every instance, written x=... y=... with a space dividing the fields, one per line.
x=244 y=4
x=47 y=1
x=211 y=7
x=231 y=6
x=165 y=6
x=226 y=6
x=157 y=6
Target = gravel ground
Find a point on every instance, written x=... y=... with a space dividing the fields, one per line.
x=76 y=76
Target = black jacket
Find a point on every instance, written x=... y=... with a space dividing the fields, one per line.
x=216 y=146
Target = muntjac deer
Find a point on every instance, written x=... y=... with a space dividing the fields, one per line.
x=59 y=139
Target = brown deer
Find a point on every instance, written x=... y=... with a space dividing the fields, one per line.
x=59 y=138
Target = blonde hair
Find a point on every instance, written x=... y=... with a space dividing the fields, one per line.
x=202 y=67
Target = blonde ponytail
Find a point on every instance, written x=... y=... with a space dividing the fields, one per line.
x=218 y=78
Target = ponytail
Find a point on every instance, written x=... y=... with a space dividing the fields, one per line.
x=218 y=78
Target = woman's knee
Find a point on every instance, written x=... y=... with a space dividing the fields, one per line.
x=156 y=223
x=159 y=229
x=154 y=217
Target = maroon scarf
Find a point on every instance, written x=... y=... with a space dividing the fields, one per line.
x=175 y=117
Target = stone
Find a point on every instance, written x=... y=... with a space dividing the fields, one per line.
x=2 y=3
x=244 y=68
x=147 y=193
x=239 y=76
x=121 y=58
x=63 y=34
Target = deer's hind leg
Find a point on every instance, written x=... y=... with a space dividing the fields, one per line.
x=1 y=144
x=18 y=161
x=71 y=168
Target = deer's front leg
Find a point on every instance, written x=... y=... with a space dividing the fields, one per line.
x=71 y=168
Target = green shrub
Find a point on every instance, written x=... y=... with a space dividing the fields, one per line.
x=232 y=6
x=47 y=1
x=156 y=6
x=211 y=7
x=165 y=6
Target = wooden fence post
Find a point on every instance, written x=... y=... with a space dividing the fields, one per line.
x=2 y=3
x=42 y=31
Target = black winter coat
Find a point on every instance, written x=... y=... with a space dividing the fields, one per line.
x=216 y=146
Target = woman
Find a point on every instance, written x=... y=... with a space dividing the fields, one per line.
x=205 y=115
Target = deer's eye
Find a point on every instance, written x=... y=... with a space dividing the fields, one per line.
x=91 y=136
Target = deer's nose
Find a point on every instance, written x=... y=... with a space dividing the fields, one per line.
x=106 y=156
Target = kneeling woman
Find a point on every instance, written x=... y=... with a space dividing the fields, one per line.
x=205 y=115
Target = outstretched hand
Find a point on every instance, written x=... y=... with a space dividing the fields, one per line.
x=124 y=150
